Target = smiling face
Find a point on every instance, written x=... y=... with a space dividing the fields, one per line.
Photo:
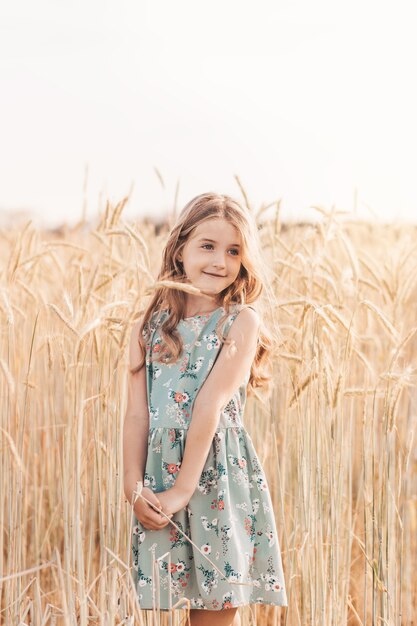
x=211 y=259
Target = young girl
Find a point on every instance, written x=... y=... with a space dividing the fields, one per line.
x=195 y=354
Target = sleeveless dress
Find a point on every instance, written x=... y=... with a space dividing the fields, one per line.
x=230 y=515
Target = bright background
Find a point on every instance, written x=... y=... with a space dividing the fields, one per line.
x=310 y=102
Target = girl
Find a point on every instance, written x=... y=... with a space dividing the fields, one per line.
x=195 y=354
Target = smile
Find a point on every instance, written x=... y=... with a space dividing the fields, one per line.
x=215 y=275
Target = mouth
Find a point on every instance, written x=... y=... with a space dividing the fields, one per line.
x=215 y=275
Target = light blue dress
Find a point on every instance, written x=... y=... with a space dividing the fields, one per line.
x=229 y=516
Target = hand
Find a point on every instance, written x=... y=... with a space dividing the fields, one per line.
x=172 y=500
x=146 y=515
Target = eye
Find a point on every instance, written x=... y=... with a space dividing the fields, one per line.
x=235 y=250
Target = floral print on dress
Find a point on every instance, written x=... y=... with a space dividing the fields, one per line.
x=218 y=503
x=212 y=341
x=171 y=470
x=231 y=574
x=176 y=538
x=210 y=525
x=231 y=410
x=259 y=475
x=176 y=437
x=176 y=413
x=189 y=369
x=210 y=477
x=229 y=516
x=210 y=578
x=153 y=413
x=239 y=462
x=180 y=574
x=149 y=481
x=272 y=582
x=180 y=397
x=227 y=602
x=225 y=535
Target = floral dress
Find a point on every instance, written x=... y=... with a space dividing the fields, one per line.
x=229 y=516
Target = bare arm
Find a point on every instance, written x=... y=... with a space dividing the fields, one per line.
x=226 y=376
x=136 y=423
x=135 y=442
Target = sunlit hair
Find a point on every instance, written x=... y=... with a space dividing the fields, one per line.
x=246 y=289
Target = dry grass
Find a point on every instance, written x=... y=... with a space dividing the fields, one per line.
x=341 y=466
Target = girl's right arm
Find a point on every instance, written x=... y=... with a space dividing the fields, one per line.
x=135 y=439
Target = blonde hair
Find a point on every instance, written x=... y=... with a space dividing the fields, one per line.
x=246 y=289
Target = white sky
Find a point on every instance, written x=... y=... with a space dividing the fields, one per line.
x=304 y=101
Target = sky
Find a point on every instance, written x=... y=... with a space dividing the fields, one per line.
x=308 y=103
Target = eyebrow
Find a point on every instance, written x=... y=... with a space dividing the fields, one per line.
x=213 y=241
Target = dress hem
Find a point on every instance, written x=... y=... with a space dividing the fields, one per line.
x=203 y=608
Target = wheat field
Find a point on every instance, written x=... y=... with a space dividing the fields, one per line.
x=336 y=437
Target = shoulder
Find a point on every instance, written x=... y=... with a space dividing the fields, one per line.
x=246 y=314
x=139 y=330
x=135 y=330
x=135 y=350
x=245 y=320
x=154 y=320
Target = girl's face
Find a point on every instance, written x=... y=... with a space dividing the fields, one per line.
x=211 y=257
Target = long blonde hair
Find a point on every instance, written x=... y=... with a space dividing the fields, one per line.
x=246 y=289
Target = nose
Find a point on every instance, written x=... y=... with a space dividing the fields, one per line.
x=219 y=262
x=219 y=259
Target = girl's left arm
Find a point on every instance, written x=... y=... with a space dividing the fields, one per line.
x=226 y=375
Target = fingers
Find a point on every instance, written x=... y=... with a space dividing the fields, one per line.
x=155 y=524
x=149 y=513
x=155 y=507
x=161 y=507
x=154 y=499
x=155 y=521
